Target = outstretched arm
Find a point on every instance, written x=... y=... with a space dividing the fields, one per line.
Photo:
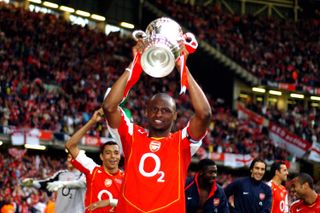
x=71 y=184
x=73 y=142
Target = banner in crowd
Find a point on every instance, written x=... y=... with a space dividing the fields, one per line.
x=95 y=141
x=244 y=113
x=293 y=87
x=315 y=152
x=33 y=136
x=25 y=136
x=18 y=138
x=292 y=143
x=91 y=140
x=232 y=160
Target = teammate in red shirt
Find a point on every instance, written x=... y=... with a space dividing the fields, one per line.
x=279 y=192
x=103 y=182
x=309 y=200
x=156 y=160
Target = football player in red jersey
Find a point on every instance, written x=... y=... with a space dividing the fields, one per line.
x=103 y=182
x=309 y=200
x=279 y=171
x=156 y=160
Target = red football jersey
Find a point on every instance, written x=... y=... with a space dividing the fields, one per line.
x=279 y=198
x=101 y=185
x=155 y=169
x=300 y=207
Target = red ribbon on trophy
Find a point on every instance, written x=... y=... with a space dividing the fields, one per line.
x=135 y=73
x=191 y=45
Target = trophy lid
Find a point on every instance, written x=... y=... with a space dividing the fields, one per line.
x=166 y=26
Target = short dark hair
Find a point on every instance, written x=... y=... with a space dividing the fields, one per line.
x=256 y=160
x=163 y=96
x=276 y=166
x=107 y=143
x=204 y=163
x=305 y=178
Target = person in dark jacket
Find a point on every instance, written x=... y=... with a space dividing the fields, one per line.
x=251 y=194
x=203 y=194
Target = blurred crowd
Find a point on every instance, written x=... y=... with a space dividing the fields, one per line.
x=298 y=120
x=53 y=73
x=15 y=167
x=277 y=50
x=231 y=134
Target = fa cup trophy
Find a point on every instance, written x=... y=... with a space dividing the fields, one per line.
x=161 y=46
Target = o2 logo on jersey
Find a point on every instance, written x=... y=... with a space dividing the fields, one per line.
x=156 y=169
x=107 y=193
x=107 y=182
x=282 y=205
x=66 y=192
x=154 y=146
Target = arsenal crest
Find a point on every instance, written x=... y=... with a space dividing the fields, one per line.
x=262 y=196
x=216 y=201
x=107 y=182
x=154 y=146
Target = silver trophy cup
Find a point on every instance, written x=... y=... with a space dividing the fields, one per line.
x=161 y=43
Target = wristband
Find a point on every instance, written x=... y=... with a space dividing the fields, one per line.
x=113 y=202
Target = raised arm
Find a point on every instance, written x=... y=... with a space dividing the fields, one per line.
x=112 y=101
x=200 y=121
x=114 y=98
x=73 y=142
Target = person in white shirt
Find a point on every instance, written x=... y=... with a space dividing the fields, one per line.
x=70 y=185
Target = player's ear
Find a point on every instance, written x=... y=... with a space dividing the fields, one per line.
x=175 y=116
x=101 y=157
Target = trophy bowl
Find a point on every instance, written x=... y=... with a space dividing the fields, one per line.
x=161 y=43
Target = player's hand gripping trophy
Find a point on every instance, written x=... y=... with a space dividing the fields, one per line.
x=161 y=46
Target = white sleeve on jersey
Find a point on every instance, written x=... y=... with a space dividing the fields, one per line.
x=194 y=145
x=86 y=162
x=269 y=183
x=114 y=131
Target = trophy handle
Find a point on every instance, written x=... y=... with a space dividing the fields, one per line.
x=139 y=35
x=190 y=42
